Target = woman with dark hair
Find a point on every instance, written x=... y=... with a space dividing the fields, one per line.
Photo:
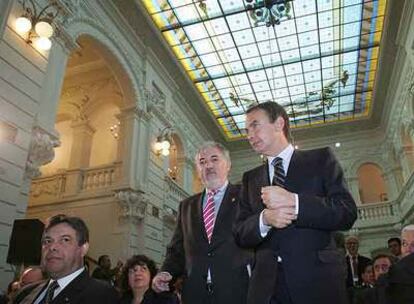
x=136 y=280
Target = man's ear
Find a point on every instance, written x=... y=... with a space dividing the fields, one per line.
x=279 y=123
x=85 y=248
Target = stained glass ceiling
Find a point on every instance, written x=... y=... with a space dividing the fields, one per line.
x=319 y=59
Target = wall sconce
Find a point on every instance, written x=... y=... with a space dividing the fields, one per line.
x=37 y=26
x=163 y=143
x=173 y=172
x=114 y=129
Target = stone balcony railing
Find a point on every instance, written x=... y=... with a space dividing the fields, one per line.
x=74 y=183
x=387 y=213
x=174 y=191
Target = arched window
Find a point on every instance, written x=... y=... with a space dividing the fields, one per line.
x=372 y=188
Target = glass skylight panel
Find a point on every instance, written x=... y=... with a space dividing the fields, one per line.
x=203 y=46
x=187 y=13
x=320 y=63
x=216 y=27
x=229 y=55
x=290 y=56
x=238 y=22
x=252 y=64
x=306 y=23
x=243 y=37
x=286 y=28
x=304 y=7
x=263 y=33
x=196 y=31
x=222 y=42
x=288 y=43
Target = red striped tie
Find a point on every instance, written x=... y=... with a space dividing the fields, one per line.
x=208 y=214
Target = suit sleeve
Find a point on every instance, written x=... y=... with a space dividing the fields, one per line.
x=174 y=262
x=333 y=210
x=246 y=228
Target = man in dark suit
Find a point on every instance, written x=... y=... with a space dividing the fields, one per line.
x=203 y=248
x=65 y=242
x=289 y=209
x=355 y=262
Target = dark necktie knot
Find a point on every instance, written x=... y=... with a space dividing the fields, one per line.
x=50 y=293
x=278 y=173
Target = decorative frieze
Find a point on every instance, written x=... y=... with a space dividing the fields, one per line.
x=41 y=152
x=132 y=205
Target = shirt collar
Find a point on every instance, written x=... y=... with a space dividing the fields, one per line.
x=221 y=189
x=63 y=282
x=286 y=154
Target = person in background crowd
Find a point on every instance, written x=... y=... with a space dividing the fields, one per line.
x=357 y=294
x=104 y=272
x=407 y=240
x=381 y=264
x=12 y=290
x=290 y=208
x=136 y=279
x=32 y=274
x=30 y=278
x=203 y=248
x=65 y=242
x=355 y=262
x=368 y=277
x=394 y=246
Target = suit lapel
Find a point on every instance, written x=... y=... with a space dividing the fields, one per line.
x=295 y=172
x=199 y=216
x=227 y=204
x=264 y=179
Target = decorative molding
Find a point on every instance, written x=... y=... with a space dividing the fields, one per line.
x=169 y=216
x=133 y=205
x=41 y=152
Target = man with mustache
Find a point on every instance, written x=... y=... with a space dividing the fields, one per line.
x=203 y=249
x=65 y=242
x=290 y=207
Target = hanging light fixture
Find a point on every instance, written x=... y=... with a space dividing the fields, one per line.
x=37 y=27
x=270 y=12
x=163 y=142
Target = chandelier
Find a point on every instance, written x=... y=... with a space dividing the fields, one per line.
x=269 y=12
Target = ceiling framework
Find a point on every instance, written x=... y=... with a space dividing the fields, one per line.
x=319 y=62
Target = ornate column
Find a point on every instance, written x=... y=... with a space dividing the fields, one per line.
x=133 y=147
x=82 y=143
x=131 y=215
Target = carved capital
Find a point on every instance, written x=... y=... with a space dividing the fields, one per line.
x=169 y=216
x=133 y=205
x=154 y=98
x=41 y=151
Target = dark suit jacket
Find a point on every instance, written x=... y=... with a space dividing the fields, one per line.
x=82 y=290
x=396 y=286
x=190 y=254
x=362 y=263
x=313 y=266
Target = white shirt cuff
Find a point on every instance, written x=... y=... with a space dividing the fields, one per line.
x=264 y=229
x=296 y=204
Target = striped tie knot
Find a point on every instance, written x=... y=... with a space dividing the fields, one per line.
x=209 y=213
x=278 y=173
